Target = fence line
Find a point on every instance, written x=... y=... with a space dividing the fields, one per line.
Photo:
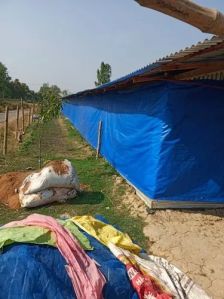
x=20 y=119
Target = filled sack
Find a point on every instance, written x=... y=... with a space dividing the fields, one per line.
x=57 y=181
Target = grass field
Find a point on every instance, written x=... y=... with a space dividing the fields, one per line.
x=60 y=141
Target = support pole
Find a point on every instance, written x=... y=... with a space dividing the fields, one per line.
x=32 y=112
x=40 y=143
x=17 y=121
x=29 y=122
x=6 y=131
x=22 y=108
x=99 y=139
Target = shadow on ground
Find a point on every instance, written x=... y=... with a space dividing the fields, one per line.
x=87 y=197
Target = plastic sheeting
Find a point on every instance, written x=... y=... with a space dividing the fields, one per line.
x=165 y=138
x=38 y=272
x=34 y=272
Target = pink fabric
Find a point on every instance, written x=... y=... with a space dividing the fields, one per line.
x=87 y=280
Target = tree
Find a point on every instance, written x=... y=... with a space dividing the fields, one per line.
x=10 y=89
x=103 y=74
x=50 y=102
x=20 y=90
x=65 y=93
x=4 y=82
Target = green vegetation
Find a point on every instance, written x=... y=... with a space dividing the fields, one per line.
x=103 y=74
x=14 y=89
x=50 y=108
x=60 y=141
x=50 y=102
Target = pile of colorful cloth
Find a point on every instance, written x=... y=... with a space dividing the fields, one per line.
x=85 y=258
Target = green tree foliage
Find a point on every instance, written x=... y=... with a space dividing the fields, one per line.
x=10 y=89
x=21 y=90
x=4 y=82
x=103 y=74
x=64 y=93
x=50 y=102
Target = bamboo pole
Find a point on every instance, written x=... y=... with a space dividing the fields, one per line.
x=29 y=116
x=17 y=121
x=206 y=19
x=40 y=143
x=99 y=139
x=33 y=108
x=6 y=131
x=32 y=113
x=22 y=108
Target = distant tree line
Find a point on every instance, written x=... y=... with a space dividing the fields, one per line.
x=15 y=89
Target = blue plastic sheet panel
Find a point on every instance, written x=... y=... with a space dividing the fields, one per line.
x=165 y=138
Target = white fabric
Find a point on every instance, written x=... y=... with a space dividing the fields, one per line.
x=57 y=181
x=46 y=196
x=48 y=178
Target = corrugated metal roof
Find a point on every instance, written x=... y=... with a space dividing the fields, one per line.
x=206 y=44
x=207 y=51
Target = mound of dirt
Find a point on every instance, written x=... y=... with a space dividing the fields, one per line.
x=9 y=187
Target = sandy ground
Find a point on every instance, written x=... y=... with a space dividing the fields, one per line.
x=191 y=240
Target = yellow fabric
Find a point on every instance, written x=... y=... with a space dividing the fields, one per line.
x=105 y=233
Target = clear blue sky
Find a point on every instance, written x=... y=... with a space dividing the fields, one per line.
x=63 y=41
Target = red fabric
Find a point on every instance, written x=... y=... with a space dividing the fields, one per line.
x=87 y=280
x=144 y=286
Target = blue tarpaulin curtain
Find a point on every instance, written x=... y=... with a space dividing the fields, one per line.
x=165 y=138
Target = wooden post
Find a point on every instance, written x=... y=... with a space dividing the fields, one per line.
x=32 y=112
x=29 y=116
x=40 y=143
x=17 y=121
x=6 y=131
x=22 y=108
x=99 y=139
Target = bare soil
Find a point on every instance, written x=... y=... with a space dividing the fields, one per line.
x=191 y=240
x=9 y=186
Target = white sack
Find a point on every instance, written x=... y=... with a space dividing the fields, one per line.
x=179 y=284
x=57 y=174
x=57 y=181
x=46 y=196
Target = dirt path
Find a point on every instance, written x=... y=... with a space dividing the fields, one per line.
x=193 y=241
